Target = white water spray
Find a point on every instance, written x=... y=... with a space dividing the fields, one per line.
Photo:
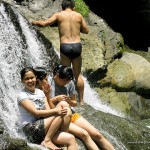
x=92 y=99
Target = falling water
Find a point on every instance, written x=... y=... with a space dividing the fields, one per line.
x=92 y=99
x=10 y=51
x=16 y=50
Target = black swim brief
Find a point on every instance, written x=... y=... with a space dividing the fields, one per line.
x=35 y=131
x=71 y=50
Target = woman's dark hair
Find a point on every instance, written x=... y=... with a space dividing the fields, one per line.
x=68 y=4
x=24 y=70
x=64 y=72
x=40 y=72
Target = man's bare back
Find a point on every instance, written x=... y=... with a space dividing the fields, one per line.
x=70 y=23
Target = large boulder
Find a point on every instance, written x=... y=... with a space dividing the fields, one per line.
x=131 y=72
x=125 y=85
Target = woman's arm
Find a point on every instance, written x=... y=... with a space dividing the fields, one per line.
x=29 y=106
x=70 y=100
x=51 y=104
x=47 y=89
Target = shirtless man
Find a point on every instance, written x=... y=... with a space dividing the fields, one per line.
x=70 y=25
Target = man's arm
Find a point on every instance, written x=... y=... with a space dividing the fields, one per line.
x=84 y=27
x=46 y=22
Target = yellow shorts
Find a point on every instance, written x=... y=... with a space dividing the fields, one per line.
x=74 y=117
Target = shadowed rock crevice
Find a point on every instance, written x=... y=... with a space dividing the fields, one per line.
x=130 y=18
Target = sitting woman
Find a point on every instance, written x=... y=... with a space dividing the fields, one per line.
x=63 y=90
x=40 y=123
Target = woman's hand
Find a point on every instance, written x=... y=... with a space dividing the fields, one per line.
x=61 y=98
x=72 y=101
x=68 y=99
x=46 y=89
x=61 y=111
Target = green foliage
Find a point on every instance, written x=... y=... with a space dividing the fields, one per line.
x=82 y=8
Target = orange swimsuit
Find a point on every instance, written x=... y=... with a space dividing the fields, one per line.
x=74 y=117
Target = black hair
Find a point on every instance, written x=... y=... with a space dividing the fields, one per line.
x=68 y=4
x=63 y=71
x=24 y=70
x=40 y=72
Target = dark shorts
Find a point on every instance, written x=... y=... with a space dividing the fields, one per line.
x=71 y=50
x=35 y=131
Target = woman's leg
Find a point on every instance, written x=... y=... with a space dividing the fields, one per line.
x=51 y=125
x=63 y=138
x=63 y=103
x=83 y=135
x=67 y=118
x=94 y=133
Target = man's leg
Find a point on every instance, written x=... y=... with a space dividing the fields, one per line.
x=76 y=64
x=64 y=60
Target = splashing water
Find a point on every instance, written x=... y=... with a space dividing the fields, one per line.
x=92 y=99
x=14 y=54
x=10 y=44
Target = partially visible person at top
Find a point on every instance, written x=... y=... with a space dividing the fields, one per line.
x=40 y=123
x=62 y=89
x=70 y=25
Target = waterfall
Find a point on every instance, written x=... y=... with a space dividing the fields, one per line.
x=20 y=45
x=18 y=48
x=11 y=56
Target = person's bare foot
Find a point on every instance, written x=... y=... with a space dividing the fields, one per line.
x=81 y=102
x=50 y=145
